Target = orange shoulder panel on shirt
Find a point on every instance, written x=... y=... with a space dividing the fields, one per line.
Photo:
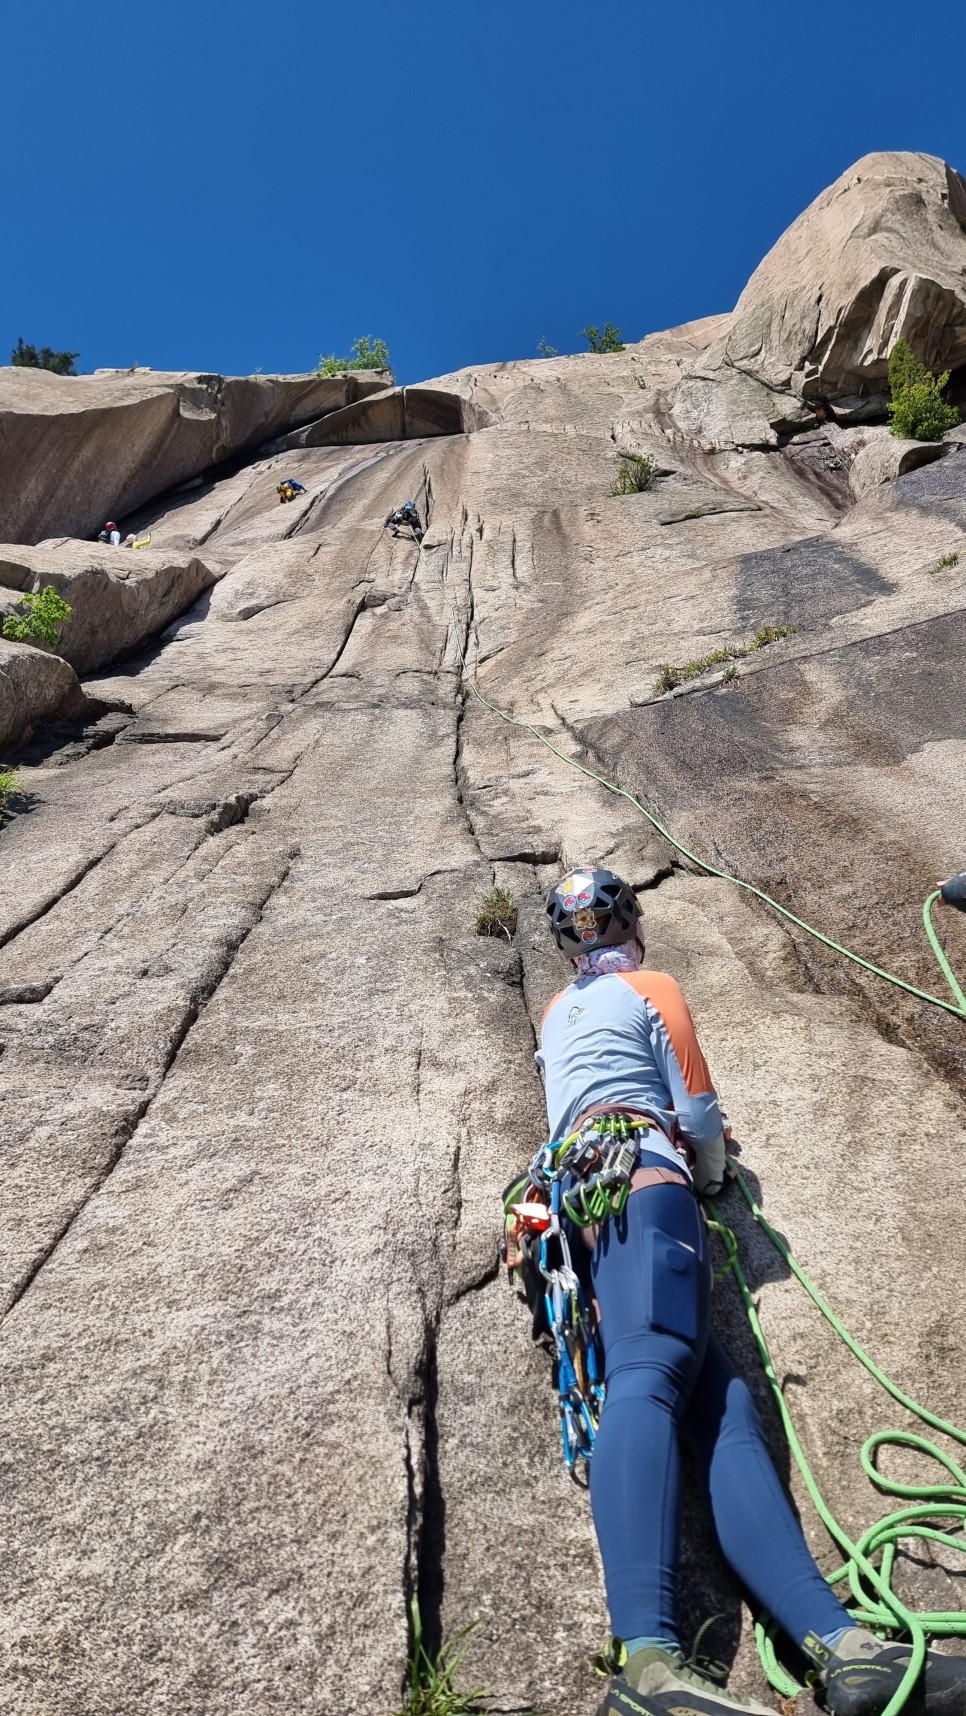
x=667 y=998
x=550 y=1004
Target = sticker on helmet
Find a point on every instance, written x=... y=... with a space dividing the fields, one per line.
x=584 y=918
x=577 y=889
x=588 y=935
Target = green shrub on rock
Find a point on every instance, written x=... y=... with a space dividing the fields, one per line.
x=28 y=357
x=368 y=354
x=635 y=473
x=917 y=408
x=45 y=613
x=607 y=341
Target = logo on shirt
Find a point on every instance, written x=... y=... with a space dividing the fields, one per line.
x=574 y=1015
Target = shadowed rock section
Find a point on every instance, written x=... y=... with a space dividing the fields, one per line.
x=396 y=414
x=75 y=450
x=263 y=1084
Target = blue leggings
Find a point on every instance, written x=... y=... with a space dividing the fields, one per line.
x=667 y=1374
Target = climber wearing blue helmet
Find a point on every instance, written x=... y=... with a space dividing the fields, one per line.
x=407 y=519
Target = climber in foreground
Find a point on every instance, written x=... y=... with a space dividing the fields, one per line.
x=110 y=534
x=288 y=488
x=620 y=1040
x=405 y=517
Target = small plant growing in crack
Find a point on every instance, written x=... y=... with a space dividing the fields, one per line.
x=497 y=914
x=635 y=473
x=696 y=512
x=669 y=678
x=944 y=561
x=41 y=622
x=431 y=1675
x=640 y=381
x=730 y=673
x=8 y=785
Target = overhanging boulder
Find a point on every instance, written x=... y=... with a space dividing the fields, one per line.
x=34 y=687
x=75 y=450
x=120 y=597
x=879 y=256
x=394 y=414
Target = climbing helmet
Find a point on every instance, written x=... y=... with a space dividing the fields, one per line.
x=591 y=908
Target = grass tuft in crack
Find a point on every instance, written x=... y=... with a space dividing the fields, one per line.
x=670 y=677
x=431 y=1675
x=635 y=474
x=497 y=914
x=944 y=561
x=8 y=783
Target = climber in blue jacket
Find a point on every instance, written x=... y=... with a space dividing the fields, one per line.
x=405 y=517
x=619 y=1040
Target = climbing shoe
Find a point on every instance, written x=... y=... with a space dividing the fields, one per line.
x=656 y=1682
x=862 y=1673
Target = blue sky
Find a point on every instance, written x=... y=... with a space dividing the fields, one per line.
x=225 y=185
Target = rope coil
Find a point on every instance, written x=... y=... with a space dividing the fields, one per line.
x=874 y=1602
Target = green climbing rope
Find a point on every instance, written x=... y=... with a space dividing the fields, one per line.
x=957 y=1007
x=874 y=1602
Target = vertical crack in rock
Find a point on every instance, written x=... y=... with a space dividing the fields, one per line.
x=195 y=1003
x=423 y=1571
x=430 y=1546
x=459 y=772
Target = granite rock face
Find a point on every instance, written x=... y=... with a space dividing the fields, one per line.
x=76 y=450
x=879 y=256
x=119 y=597
x=263 y=1085
x=34 y=687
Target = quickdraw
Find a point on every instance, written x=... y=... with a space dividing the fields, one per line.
x=585 y=1178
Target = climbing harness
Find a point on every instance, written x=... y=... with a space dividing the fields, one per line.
x=585 y=1178
x=936 y=1506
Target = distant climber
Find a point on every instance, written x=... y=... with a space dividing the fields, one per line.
x=288 y=488
x=405 y=518
x=110 y=534
x=619 y=1041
